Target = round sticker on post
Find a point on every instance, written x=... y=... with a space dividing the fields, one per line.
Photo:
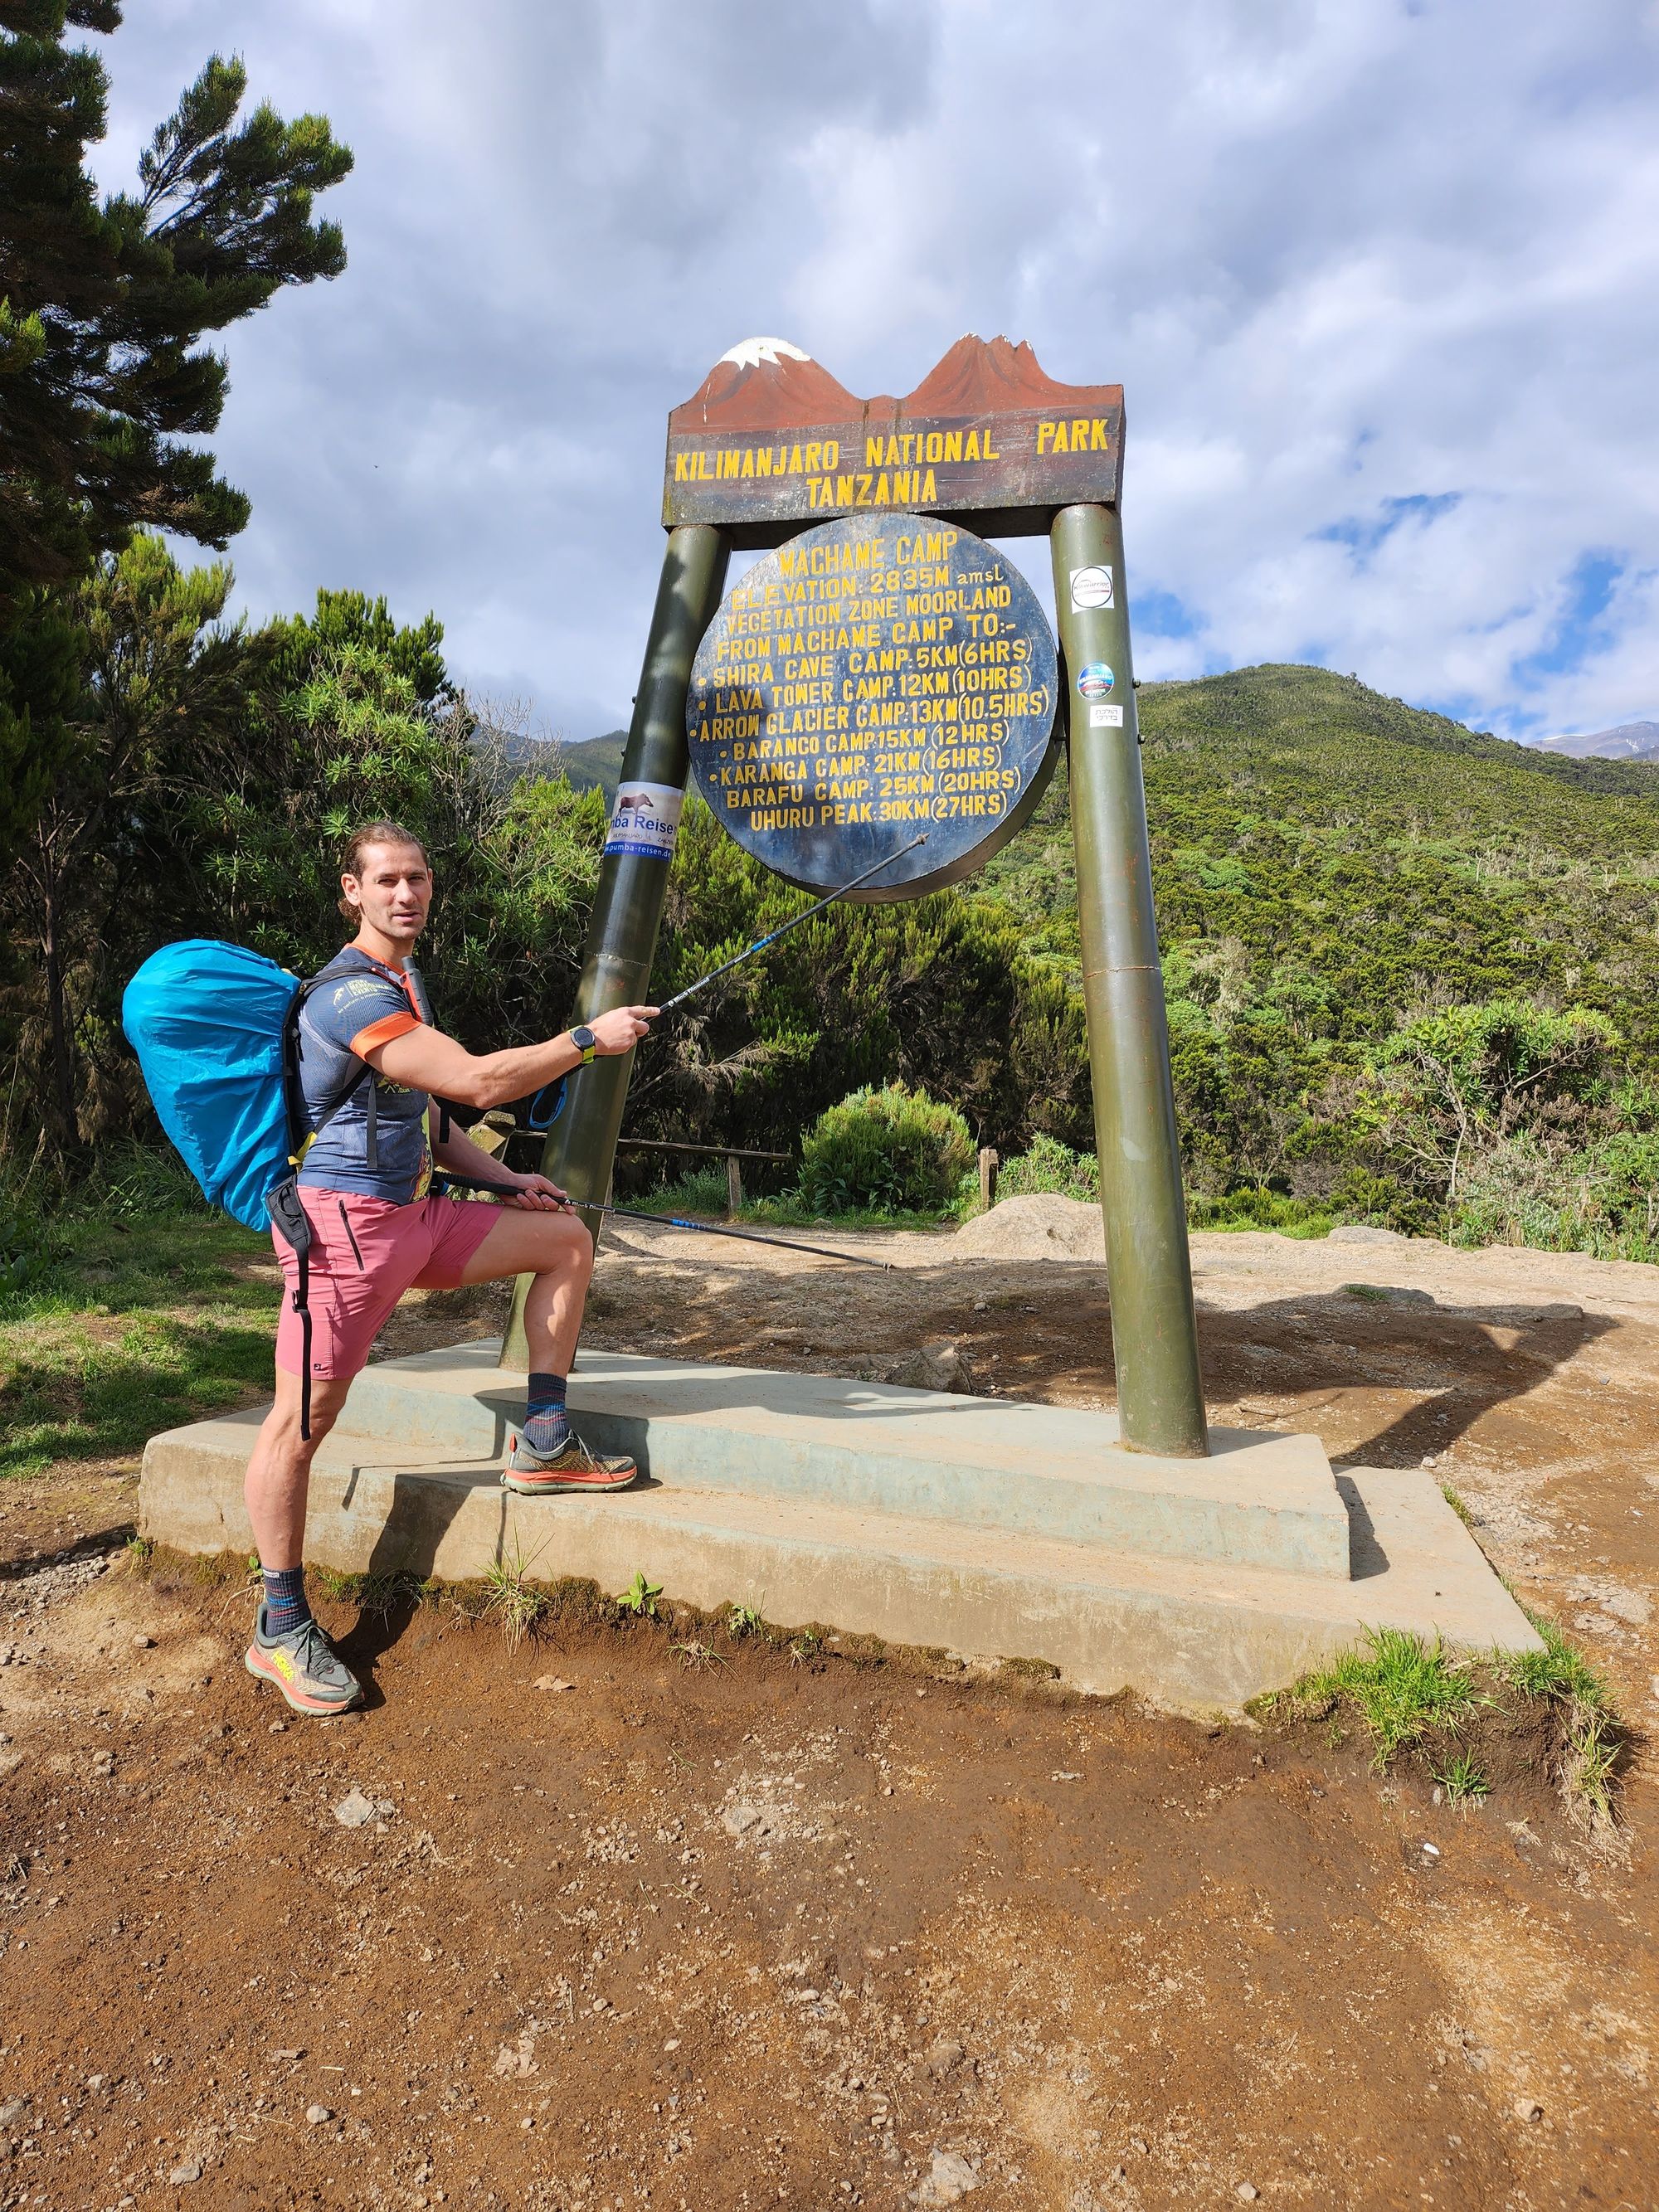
x=1090 y=587
x=645 y=820
x=1094 y=680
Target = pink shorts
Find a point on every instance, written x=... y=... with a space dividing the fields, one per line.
x=365 y=1254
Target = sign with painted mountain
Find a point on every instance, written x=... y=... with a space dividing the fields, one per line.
x=771 y=442
x=877 y=693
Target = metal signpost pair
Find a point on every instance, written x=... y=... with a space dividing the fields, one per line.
x=883 y=683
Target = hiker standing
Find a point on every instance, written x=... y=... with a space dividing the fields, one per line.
x=372 y=1068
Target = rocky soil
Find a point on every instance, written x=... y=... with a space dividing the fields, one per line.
x=613 y=1920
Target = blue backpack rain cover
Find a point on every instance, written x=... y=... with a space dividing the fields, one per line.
x=207 y=1022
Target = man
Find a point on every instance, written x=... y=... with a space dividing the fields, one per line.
x=376 y=1231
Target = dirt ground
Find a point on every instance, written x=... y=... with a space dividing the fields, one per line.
x=783 y=1928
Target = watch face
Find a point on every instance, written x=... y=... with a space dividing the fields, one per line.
x=583 y=1038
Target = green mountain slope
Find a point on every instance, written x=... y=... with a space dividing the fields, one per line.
x=1337 y=860
x=595 y=764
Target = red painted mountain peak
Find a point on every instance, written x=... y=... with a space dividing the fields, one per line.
x=764 y=383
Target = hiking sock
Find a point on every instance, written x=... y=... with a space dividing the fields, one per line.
x=545 y=1426
x=286 y=1605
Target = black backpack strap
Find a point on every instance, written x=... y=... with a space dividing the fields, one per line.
x=292 y=1224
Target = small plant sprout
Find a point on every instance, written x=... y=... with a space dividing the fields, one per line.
x=1462 y=1781
x=1457 y=1506
x=744 y=1621
x=804 y=1647
x=696 y=1655
x=511 y=1599
x=639 y=1598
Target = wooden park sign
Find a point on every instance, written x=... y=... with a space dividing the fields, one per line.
x=884 y=683
x=770 y=441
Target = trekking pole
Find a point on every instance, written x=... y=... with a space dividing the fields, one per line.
x=668 y=1221
x=761 y=943
x=745 y=1235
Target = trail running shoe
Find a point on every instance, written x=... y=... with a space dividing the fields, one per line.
x=573 y=1467
x=304 y=1666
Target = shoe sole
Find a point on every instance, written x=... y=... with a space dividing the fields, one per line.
x=536 y=1486
x=527 y=1482
x=313 y=1707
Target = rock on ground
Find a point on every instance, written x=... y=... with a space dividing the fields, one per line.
x=1043 y=1226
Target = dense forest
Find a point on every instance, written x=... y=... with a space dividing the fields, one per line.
x=1410 y=970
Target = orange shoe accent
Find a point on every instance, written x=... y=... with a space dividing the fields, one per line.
x=266 y=1667
x=609 y=1471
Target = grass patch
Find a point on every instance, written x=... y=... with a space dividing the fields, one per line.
x=1401 y=1687
x=511 y=1599
x=702 y=1195
x=1461 y=1780
x=377 y=1595
x=1594 y=1740
x=125 y=1322
x=1545 y=1713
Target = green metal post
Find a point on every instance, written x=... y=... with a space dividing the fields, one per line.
x=621 y=935
x=1154 y=1333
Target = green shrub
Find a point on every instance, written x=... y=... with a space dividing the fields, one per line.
x=1261 y=1209
x=892 y=1151
x=1049 y=1165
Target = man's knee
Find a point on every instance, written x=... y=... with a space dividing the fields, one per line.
x=283 y=1425
x=571 y=1250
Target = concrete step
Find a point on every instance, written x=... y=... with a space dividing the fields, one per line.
x=1053 y=1471
x=1195 y=1634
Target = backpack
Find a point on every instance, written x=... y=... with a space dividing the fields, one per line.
x=216 y=1030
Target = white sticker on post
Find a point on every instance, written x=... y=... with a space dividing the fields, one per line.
x=645 y=820
x=1105 y=718
x=1090 y=587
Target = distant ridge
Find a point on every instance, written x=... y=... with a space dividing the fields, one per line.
x=1629 y=741
x=595 y=764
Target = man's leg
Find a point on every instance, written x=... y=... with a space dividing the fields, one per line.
x=288 y=1649
x=279 y=1472
x=557 y=1249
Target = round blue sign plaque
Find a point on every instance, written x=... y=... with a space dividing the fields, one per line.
x=872 y=681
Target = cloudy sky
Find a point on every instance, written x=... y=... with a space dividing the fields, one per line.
x=1381 y=278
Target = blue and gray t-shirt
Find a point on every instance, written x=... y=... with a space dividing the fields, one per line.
x=360 y=1005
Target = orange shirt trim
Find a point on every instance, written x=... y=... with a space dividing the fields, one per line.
x=383 y=1031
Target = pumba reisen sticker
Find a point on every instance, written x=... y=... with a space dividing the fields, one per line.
x=645 y=820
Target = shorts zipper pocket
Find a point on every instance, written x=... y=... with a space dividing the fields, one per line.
x=345 y=1224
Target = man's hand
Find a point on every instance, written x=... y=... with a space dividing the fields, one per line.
x=534 y=1194
x=621 y=1029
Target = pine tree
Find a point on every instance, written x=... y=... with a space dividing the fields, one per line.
x=103 y=302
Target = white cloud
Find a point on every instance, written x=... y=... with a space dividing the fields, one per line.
x=1344 y=254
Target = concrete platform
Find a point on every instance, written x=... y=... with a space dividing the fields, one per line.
x=994 y=1529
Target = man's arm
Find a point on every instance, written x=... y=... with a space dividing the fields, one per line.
x=426 y=1059
x=458 y=1155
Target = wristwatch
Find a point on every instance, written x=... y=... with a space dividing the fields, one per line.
x=585 y=1042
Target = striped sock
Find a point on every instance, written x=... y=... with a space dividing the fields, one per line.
x=545 y=1426
x=286 y=1605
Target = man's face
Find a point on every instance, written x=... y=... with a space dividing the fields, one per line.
x=394 y=890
